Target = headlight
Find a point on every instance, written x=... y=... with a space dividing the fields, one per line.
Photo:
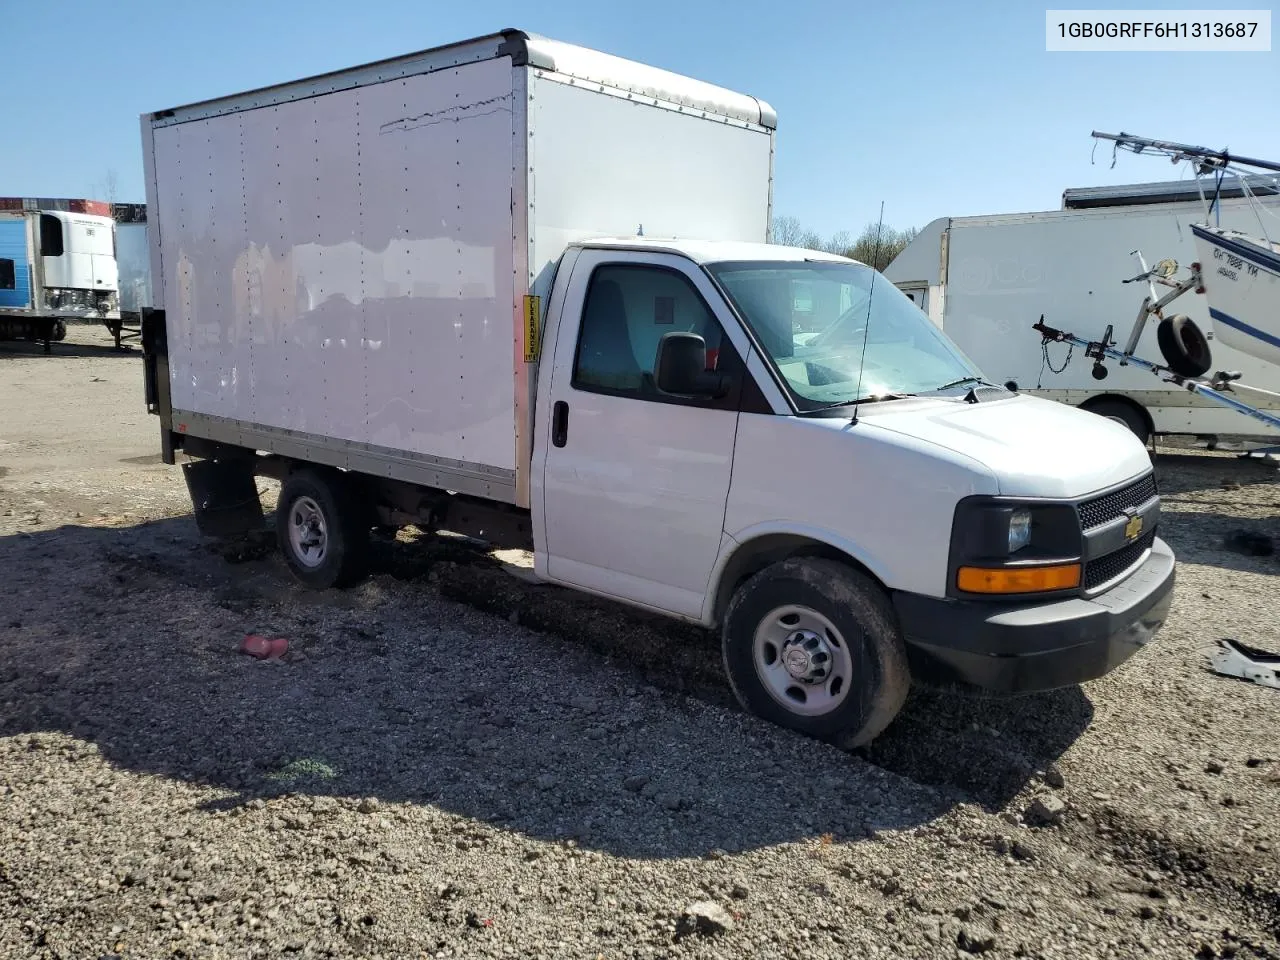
x=1019 y=529
x=1000 y=546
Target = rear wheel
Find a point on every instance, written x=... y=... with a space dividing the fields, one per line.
x=813 y=645
x=59 y=331
x=320 y=530
x=1124 y=413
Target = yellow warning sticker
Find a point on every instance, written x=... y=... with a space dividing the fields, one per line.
x=532 y=314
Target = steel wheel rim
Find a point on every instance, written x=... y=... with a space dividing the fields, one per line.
x=802 y=660
x=308 y=533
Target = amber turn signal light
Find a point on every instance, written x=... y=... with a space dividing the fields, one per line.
x=1018 y=579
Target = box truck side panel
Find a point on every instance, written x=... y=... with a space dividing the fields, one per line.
x=351 y=282
x=15 y=264
x=606 y=164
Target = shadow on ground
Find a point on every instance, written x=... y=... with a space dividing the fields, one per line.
x=569 y=729
x=67 y=348
x=1218 y=476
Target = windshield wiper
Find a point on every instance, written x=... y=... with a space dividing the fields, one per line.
x=851 y=403
x=963 y=380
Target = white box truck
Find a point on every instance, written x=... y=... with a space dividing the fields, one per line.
x=419 y=292
x=985 y=280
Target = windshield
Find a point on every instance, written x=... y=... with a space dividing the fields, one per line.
x=812 y=321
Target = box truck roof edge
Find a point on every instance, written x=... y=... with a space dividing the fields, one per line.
x=525 y=49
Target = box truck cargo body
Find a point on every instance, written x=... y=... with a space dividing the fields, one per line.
x=520 y=290
x=986 y=280
x=372 y=237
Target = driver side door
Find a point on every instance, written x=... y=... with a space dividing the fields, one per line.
x=635 y=482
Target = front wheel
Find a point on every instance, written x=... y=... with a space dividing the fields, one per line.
x=319 y=529
x=813 y=645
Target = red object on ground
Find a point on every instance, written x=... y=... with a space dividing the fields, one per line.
x=264 y=648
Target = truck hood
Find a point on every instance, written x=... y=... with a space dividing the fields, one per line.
x=1033 y=447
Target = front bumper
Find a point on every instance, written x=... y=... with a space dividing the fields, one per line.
x=1042 y=646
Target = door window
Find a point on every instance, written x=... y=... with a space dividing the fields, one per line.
x=627 y=310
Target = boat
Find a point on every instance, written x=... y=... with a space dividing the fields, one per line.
x=1241 y=278
x=1239 y=272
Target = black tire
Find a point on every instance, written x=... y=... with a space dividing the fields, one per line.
x=59 y=332
x=1124 y=413
x=345 y=554
x=867 y=630
x=1184 y=346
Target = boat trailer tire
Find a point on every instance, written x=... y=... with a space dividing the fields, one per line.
x=1184 y=346
x=59 y=332
x=1124 y=413
x=319 y=529
x=813 y=645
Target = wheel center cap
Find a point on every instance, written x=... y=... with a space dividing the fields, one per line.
x=806 y=657
x=797 y=662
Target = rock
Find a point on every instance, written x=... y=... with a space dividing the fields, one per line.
x=705 y=918
x=975 y=938
x=545 y=782
x=1054 y=778
x=1046 y=810
x=585 y=704
x=636 y=783
x=1023 y=851
x=671 y=802
x=1214 y=767
x=368 y=805
x=740 y=891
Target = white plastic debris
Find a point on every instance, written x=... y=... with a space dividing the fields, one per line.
x=1234 y=659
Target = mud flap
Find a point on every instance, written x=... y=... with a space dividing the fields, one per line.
x=224 y=496
x=155 y=377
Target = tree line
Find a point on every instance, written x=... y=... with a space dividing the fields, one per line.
x=876 y=245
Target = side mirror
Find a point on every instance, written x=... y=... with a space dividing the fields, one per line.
x=682 y=367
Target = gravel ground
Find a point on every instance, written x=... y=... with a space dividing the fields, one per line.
x=450 y=762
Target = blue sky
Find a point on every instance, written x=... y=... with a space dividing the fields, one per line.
x=938 y=109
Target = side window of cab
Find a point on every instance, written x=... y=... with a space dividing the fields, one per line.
x=628 y=307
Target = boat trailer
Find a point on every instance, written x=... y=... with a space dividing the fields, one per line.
x=1186 y=352
x=1215 y=388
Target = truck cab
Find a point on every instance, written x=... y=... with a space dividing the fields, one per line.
x=849 y=501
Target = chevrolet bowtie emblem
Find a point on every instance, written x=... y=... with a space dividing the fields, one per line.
x=1132 y=528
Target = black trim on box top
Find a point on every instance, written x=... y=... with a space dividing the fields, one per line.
x=517 y=47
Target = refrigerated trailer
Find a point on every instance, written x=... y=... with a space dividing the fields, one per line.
x=985 y=280
x=520 y=290
x=55 y=266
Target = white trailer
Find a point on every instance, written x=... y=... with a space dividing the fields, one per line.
x=520 y=290
x=986 y=280
x=55 y=266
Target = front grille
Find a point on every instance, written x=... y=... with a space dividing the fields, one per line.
x=1103 y=569
x=1111 y=506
